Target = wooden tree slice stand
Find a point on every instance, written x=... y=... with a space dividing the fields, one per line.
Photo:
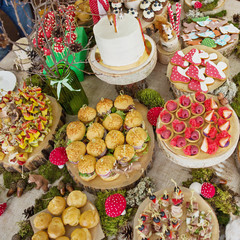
x=122 y=181
x=203 y=206
x=203 y=160
x=237 y=157
x=180 y=89
x=40 y=154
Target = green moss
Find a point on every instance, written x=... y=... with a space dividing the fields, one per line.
x=25 y=229
x=60 y=137
x=223 y=13
x=150 y=98
x=223 y=218
x=2 y=170
x=110 y=225
x=9 y=177
x=209 y=6
x=236 y=101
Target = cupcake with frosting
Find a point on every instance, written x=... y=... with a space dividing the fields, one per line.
x=178 y=142
x=132 y=12
x=185 y=102
x=145 y=4
x=192 y=135
x=183 y=114
x=116 y=11
x=116 y=4
x=171 y=106
x=157 y=7
x=191 y=150
x=179 y=127
x=196 y=122
x=197 y=109
x=165 y=133
x=148 y=15
x=200 y=97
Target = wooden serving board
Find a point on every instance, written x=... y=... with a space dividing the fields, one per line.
x=96 y=232
x=183 y=87
x=40 y=154
x=203 y=159
x=203 y=206
x=122 y=181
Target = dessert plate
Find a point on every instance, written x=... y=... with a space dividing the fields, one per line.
x=7 y=80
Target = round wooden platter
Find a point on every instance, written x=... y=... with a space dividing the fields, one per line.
x=40 y=154
x=125 y=75
x=182 y=88
x=122 y=181
x=237 y=157
x=203 y=206
x=96 y=232
x=203 y=160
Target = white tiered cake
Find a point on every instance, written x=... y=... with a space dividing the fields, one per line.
x=122 y=48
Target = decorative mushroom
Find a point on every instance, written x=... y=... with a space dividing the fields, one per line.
x=58 y=157
x=58 y=47
x=115 y=205
x=207 y=190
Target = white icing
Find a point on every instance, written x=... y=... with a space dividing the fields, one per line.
x=133 y=4
x=207 y=81
x=116 y=11
x=132 y=12
x=182 y=71
x=101 y=10
x=203 y=54
x=122 y=48
x=145 y=4
x=229 y=29
x=156 y=6
x=196 y=57
x=116 y=5
x=148 y=14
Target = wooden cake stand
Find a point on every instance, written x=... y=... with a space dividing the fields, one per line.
x=203 y=160
x=127 y=75
x=180 y=89
x=203 y=206
x=40 y=154
x=123 y=181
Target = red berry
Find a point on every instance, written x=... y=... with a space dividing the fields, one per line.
x=207 y=190
x=3 y=207
x=153 y=114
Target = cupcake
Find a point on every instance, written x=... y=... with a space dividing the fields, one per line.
x=183 y=114
x=211 y=117
x=148 y=15
x=197 y=109
x=191 y=150
x=178 y=126
x=166 y=117
x=210 y=104
x=171 y=106
x=225 y=112
x=209 y=146
x=116 y=11
x=132 y=12
x=196 y=122
x=192 y=135
x=116 y=5
x=157 y=7
x=223 y=124
x=185 y=101
x=200 y=97
x=209 y=131
x=223 y=139
x=145 y=4
x=165 y=133
x=178 y=142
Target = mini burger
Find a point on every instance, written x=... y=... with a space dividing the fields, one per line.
x=133 y=119
x=104 y=106
x=86 y=114
x=125 y=154
x=104 y=168
x=113 y=121
x=96 y=130
x=75 y=151
x=86 y=167
x=124 y=102
x=137 y=137
x=75 y=131
x=96 y=147
x=114 y=138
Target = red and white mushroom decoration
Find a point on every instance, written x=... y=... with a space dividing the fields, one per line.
x=58 y=47
x=153 y=114
x=58 y=157
x=115 y=205
x=207 y=190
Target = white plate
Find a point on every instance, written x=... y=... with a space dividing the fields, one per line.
x=7 y=81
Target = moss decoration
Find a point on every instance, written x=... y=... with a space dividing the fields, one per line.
x=236 y=101
x=223 y=13
x=60 y=137
x=208 y=6
x=25 y=230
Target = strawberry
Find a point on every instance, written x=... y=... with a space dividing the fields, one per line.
x=207 y=190
x=153 y=114
x=176 y=201
x=3 y=207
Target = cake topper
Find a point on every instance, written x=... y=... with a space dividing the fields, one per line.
x=99 y=8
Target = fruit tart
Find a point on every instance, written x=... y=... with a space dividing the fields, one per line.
x=183 y=114
x=178 y=142
x=166 y=117
x=210 y=104
x=209 y=146
x=223 y=124
x=197 y=109
x=225 y=112
x=196 y=122
x=223 y=139
x=171 y=106
x=185 y=102
x=209 y=131
x=211 y=117
x=165 y=133
x=178 y=126
x=191 y=150
x=192 y=135
x=200 y=97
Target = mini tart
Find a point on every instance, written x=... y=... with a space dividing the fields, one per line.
x=210 y=104
x=171 y=106
x=193 y=122
x=194 y=106
x=223 y=139
x=174 y=142
x=191 y=150
x=164 y=112
x=211 y=117
x=161 y=131
x=209 y=146
x=175 y=123
x=225 y=112
x=209 y=131
x=200 y=97
x=182 y=111
x=223 y=124
x=188 y=133
x=183 y=100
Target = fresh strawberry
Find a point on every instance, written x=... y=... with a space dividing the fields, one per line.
x=153 y=114
x=207 y=190
x=3 y=207
x=176 y=201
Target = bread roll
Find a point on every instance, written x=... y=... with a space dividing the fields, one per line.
x=62 y=238
x=42 y=220
x=41 y=235
x=82 y=234
x=56 y=228
x=76 y=199
x=57 y=205
x=89 y=219
x=71 y=216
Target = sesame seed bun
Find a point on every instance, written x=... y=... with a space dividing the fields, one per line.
x=96 y=130
x=133 y=119
x=75 y=150
x=113 y=122
x=86 y=167
x=104 y=106
x=114 y=138
x=75 y=131
x=136 y=136
x=96 y=147
x=86 y=114
x=124 y=153
x=122 y=102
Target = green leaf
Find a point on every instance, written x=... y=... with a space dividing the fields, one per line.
x=113 y=109
x=84 y=174
x=121 y=114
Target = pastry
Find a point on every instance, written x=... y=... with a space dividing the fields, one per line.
x=62 y=238
x=75 y=150
x=196 y=122
x=113 y=121
x=124 y=102
x=223 y=139
x=82 y=234
x=157 y=7
x=132 y=12
x=86 y=167
x=89 y=219
x=148 y=15
x=75 y=131
x=166 y=117
x=56 y=228
x=209 y=131
x=96 y=147
x=197 y=109
x=200 y=97
x=124 y=154
x=178 y=126
x=95 y=130
x=76 y=199
x=183 y=114
x=165 y=133
x=42 y=220
x=133 y=119
x=223 y=124
x=192 y=135
x=57 y=205
x=178 y=142
x=211 y=117
x=41 y=235
x=185 y=102
x=210 y=104
x=225 y=112
x=104 y=106
x=145 y=4
x=114 y=138
x=86 y=114
x=191 y=150
x=171 y=106
x=71 y=216
x=116 y=4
